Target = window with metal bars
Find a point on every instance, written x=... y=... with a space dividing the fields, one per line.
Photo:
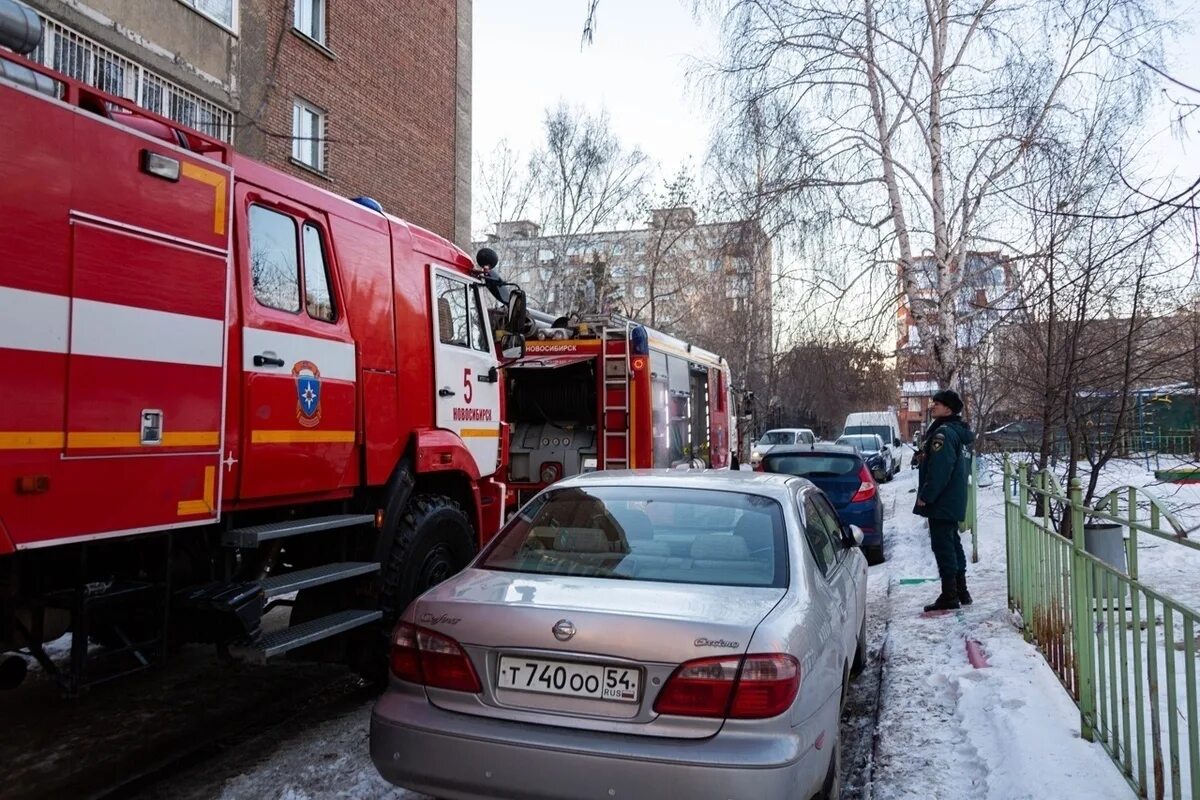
x=70 y=52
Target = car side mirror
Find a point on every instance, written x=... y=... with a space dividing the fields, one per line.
x=512 y=346
x=855 y=539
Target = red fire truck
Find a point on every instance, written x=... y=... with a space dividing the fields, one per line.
x=223 y=390
x=608 y=393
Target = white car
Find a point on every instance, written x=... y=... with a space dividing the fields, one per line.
x=883 y=424
x=777 y=437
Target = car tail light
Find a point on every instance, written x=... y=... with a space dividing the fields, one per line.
x=867 y=487
x=431 y=659
x=405 y=658
x=754 y=687
x=699 y=688
x=760 y=466
x=767 y=686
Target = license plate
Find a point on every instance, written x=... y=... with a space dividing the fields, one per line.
x=592 y=681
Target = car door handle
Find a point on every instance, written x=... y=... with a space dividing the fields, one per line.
x=267 y=360
x=444 y=392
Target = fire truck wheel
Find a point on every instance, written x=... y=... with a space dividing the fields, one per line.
x=434 y=541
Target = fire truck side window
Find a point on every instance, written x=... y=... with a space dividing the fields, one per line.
x=317 y=297
x=452 y=311
x=274 y=266
x=479 y=336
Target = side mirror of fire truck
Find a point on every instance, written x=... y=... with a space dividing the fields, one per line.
x=512 y=346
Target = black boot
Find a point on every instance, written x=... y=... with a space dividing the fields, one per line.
x=960 y=583
x=948 y=599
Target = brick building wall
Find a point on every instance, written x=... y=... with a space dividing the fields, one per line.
x=390 y=80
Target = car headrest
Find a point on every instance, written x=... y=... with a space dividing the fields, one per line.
x=719 y=547
x=581 y=540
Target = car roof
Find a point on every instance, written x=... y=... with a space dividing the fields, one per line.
x=786 y=430
x=767 y=484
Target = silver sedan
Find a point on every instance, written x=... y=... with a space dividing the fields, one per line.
x=635 y=635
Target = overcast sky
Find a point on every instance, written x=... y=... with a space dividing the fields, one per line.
x=527 y=56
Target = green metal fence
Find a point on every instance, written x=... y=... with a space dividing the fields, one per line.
x=1125 y=652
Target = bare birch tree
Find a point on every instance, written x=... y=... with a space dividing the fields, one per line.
x=587 y=181
x=921 y=112
x=504 y=185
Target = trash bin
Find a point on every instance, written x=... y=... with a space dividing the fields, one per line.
x=1106 y=541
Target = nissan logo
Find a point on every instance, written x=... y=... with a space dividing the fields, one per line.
x=563 y=629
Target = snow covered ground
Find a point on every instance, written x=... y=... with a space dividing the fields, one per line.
x=946 y=730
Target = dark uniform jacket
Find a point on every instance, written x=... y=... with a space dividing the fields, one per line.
x=945 y=461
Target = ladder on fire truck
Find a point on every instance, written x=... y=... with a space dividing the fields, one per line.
x=616 y=378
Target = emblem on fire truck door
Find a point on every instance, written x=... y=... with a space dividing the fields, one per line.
x=308 y=393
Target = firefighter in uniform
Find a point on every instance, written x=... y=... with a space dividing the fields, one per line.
x=943 y=463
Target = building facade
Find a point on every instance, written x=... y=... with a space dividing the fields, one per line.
x=361 y=97
x=707 y=283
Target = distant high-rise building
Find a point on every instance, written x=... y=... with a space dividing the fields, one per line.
x=707 y=283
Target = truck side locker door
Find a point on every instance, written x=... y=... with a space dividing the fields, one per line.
x=299 y=366
x=467 y=387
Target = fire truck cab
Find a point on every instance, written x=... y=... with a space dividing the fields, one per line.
x=225 y=390
x=609 y=393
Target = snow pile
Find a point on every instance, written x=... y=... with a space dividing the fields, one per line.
x=947 y=730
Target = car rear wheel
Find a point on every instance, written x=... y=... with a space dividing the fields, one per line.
x=860 y=652
x=831 y=789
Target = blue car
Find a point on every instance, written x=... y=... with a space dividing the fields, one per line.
x=842 y=474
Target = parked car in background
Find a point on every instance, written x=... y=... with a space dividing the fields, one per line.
x=883 y=424
x=780 y=436
x=876 y=455
x=842 y=474
x=635 y=635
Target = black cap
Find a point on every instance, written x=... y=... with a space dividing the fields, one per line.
x=950 y=399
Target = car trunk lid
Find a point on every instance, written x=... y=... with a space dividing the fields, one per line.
x=515 y=625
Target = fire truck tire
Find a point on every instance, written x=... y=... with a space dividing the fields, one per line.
x=434 y=540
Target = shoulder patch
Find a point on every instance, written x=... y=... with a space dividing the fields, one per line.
x=937 y=443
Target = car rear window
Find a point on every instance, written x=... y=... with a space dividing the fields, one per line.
x=882 y=431
x=814 y=465
x=697 y=536
x=778 y=437
x=861 y=443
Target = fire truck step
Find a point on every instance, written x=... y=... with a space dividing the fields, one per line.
x=279 y=642
x=257 y=534
x=304 y=578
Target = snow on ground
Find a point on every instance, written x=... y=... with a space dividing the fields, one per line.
x=946 y=730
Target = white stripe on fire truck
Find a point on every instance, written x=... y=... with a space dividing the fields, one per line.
x=33 y=320
x=143 y=334
x=335 y=360
x=40 y=322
